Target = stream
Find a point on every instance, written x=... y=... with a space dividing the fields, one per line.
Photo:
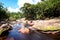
x=15 y=35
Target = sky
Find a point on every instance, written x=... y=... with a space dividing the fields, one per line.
x=14 y=5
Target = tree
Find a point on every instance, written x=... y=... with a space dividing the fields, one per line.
x=3 y=14
x=28 y=10
x=42 y=10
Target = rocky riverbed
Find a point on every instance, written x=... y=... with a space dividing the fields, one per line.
x=51 y=24
x=51 y=27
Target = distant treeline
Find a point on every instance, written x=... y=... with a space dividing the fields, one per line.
x=42 y=10
x=6 y=15
x=14 y=16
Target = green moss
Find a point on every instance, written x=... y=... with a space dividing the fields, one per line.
x=50 y=28
x=1 y=30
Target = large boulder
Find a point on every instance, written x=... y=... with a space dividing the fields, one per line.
x=5 y=27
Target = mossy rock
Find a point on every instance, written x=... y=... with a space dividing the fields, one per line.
x=1 y=30
x=50 y=28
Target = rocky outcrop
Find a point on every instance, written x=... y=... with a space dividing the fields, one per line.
x=5 y=27
x=52 y=24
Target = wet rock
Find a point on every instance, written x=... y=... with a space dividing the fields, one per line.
x=24 y=30
x=5 y=27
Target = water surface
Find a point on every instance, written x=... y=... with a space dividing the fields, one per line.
x=33 y=35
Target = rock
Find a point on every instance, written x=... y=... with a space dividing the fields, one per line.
x=24 y=30
x=5 y=27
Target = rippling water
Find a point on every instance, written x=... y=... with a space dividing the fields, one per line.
x=33 y=35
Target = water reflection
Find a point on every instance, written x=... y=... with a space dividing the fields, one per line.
x=15 y=35
x=18 y=26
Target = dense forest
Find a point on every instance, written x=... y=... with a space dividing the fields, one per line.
x=42 y=10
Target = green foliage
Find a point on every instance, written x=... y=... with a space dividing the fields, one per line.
x=42 y=10
x=28 y=10
x=14 y=16
x=3 y=14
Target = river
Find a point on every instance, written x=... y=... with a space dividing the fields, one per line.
x=33 y=35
